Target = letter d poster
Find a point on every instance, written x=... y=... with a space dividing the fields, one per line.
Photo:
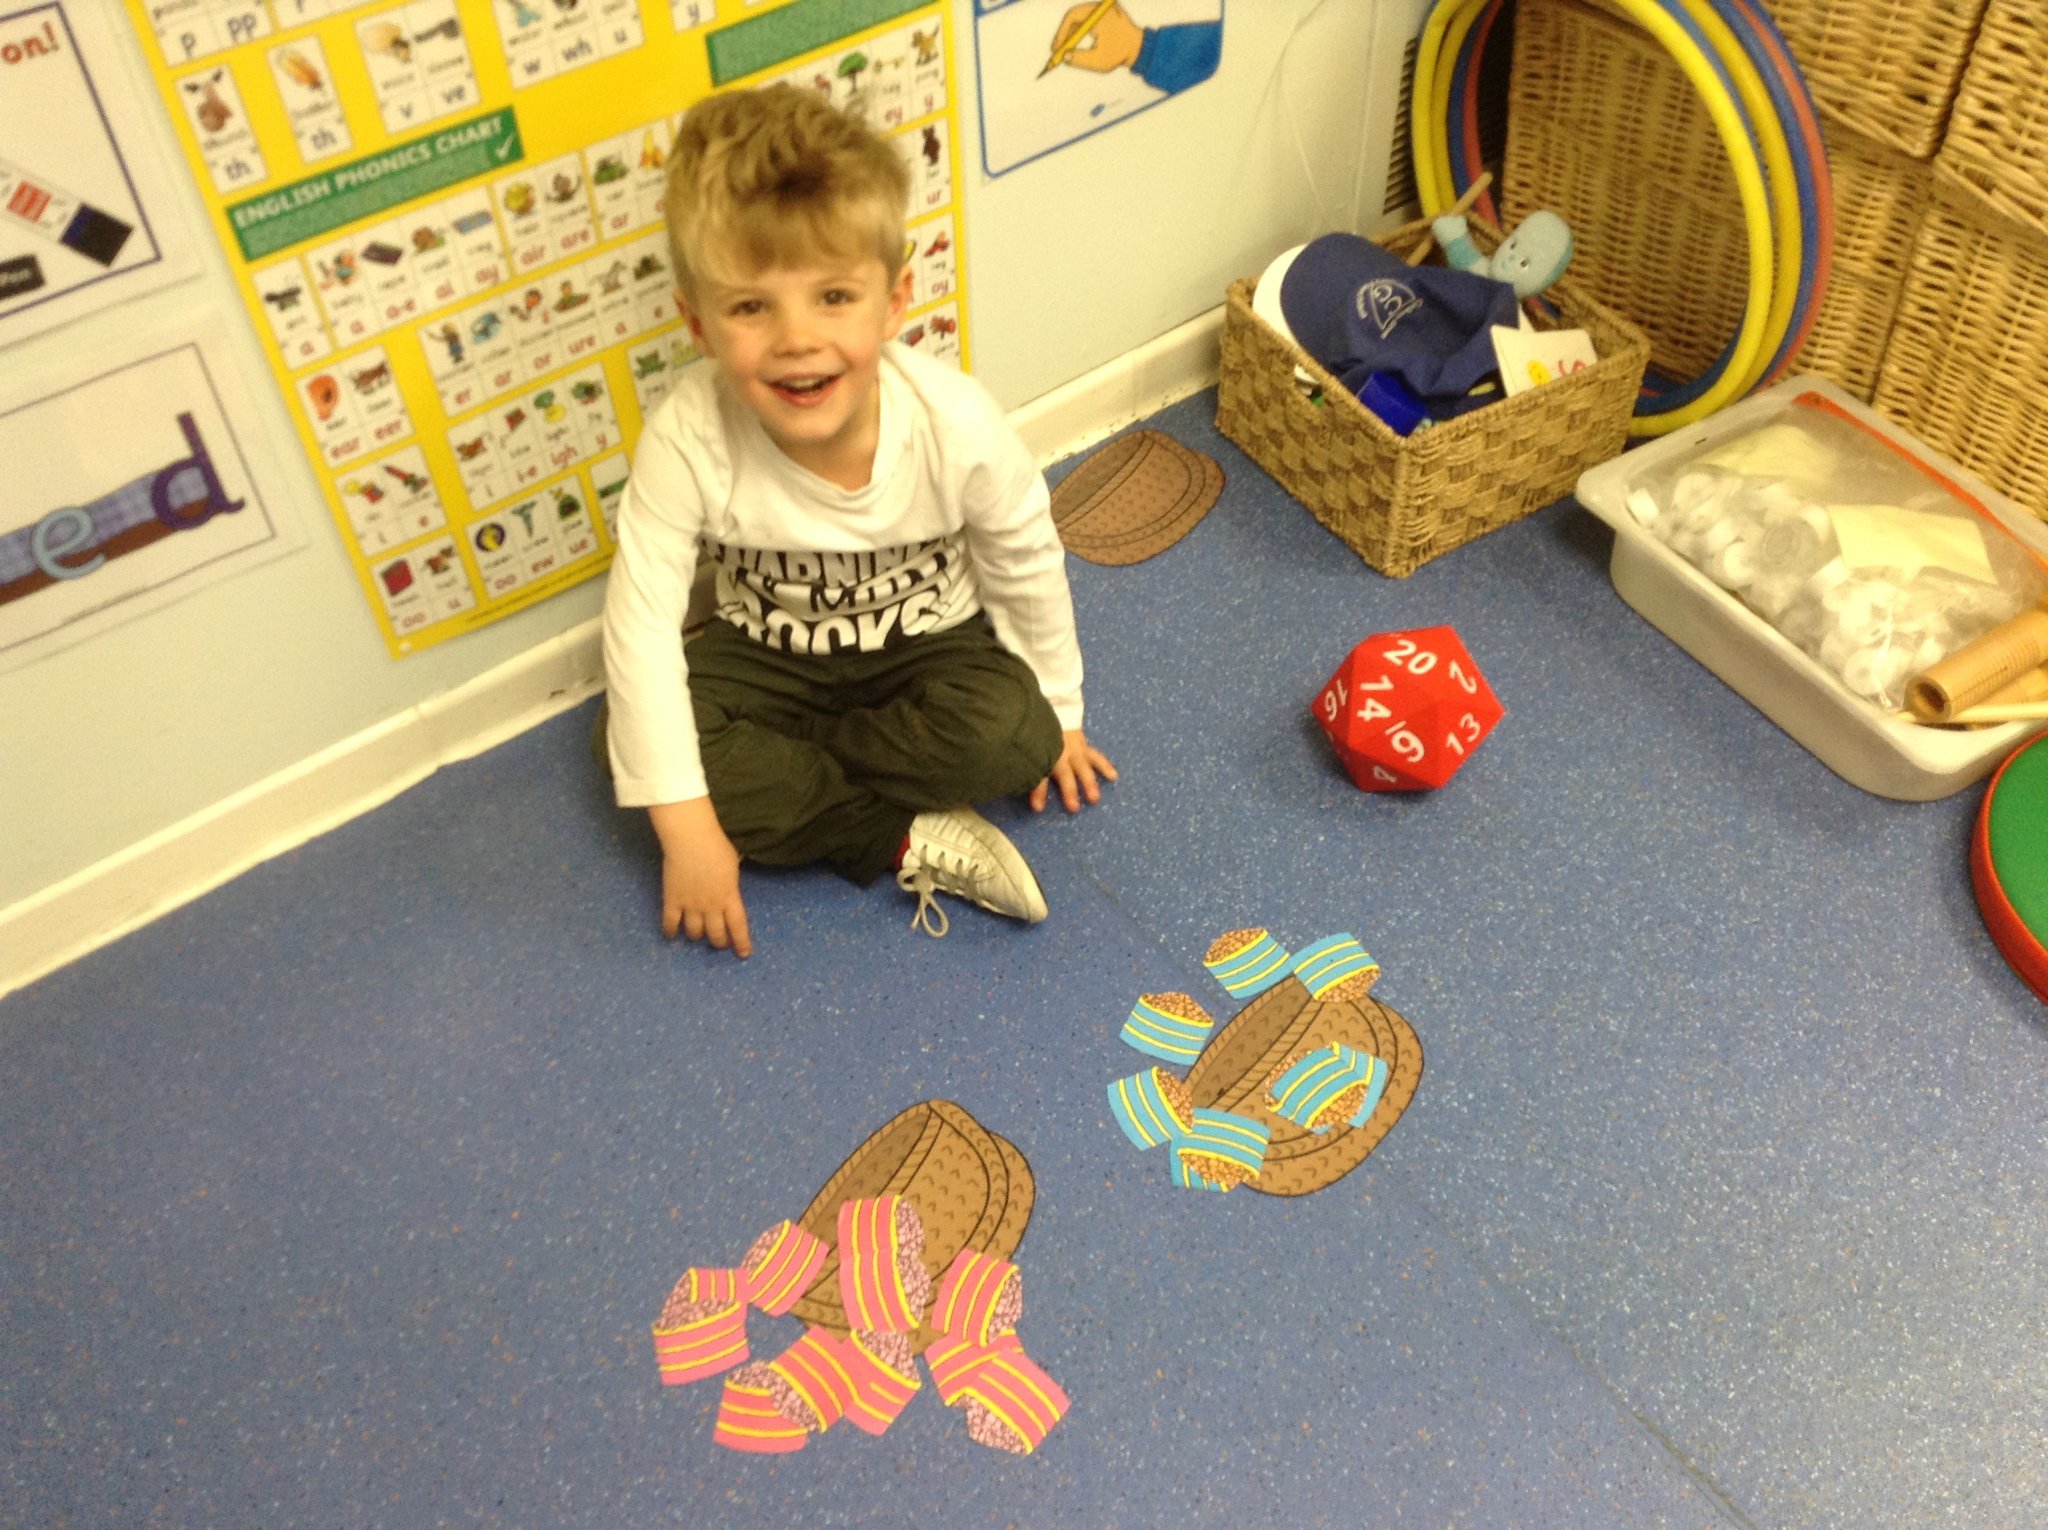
x=445 y=219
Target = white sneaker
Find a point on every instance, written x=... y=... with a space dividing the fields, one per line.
x=958 y=851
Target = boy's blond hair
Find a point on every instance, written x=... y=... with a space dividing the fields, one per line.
x=774 y=176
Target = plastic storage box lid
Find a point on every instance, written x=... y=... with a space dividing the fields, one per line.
x=1856 y=739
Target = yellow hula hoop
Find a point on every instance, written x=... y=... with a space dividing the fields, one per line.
x=1429 y=109
x=1430 y=103
x=1421 y=94
x=1783 y=180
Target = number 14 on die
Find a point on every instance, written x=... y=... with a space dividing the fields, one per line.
x=1406 y=709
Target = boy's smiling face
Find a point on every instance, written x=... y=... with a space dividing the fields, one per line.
x=801 y=346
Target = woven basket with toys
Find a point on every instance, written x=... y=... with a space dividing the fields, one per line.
x=1400 y=500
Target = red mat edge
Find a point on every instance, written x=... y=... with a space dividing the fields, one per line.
x=2016 y=943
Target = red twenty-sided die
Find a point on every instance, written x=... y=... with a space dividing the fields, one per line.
x=1406 y=709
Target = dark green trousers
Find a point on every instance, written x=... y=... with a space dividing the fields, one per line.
x=829 y=758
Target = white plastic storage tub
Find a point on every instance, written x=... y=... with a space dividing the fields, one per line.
x=1861 y=741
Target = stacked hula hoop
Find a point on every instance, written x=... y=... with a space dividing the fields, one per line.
x=1735 y=58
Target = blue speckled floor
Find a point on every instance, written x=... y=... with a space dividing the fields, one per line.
x=345 y=1196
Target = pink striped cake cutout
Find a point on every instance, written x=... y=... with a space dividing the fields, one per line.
x=955 y=1362
x=870 y=1277
x=749 y=1421
x=782 y=1263
x=970 y=1303
x=1003 y=1379
x=701 y=1348
x=819 y=1373
x=702 y=1284
x=691 y=1342
x=880 y=1391
x=1019 y=1393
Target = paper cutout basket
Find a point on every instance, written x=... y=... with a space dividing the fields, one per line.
x=972 y=1189
x=1233 y=1071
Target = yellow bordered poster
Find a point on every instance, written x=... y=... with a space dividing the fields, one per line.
x=445 y=217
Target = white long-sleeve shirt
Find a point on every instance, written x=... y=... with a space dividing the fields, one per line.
x=955 y=519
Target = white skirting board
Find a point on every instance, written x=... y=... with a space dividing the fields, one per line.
x=175 y=865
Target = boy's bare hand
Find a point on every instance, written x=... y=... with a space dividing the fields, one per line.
x=1080 y=770
x=700 y=877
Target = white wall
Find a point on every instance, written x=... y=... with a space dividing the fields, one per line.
x=1078 y=257
x=1072 y=261
x=109 y=741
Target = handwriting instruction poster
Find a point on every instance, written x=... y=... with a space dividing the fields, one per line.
x=445 y=217
x=1052 y=72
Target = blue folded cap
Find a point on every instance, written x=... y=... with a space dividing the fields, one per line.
x=1359 y=309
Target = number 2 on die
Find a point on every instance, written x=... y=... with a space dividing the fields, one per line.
x=1396 y=695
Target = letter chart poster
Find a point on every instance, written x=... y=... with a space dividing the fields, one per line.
x=445 y=217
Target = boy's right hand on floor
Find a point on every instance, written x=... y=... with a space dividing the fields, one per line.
x=700 y=877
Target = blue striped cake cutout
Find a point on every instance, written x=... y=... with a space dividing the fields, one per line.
x=1188 y=1179
x=1223 y=1135
x=1308 y=1088
x=1140 y=1108
x=1252 y=969
x=1373 y=1091
x=1170 y=1037
x=1332 y=960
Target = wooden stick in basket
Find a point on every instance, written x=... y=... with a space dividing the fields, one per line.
x=1473 y=193
x=2025 y=711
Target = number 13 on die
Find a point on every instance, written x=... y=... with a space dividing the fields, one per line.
x=1406 y=709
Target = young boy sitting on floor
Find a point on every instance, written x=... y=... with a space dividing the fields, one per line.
x=894 y=638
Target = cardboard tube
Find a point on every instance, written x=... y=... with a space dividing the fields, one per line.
x=1978 y=671
x=2028 y=689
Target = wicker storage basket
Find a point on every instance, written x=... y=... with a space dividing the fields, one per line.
x=1880 y=195
x=1399 y=501
x=1998 y=136
x=1967 y=367
x=1887 y=68
x=1598 y=111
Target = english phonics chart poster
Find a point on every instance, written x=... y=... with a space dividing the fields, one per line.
x=445 y=217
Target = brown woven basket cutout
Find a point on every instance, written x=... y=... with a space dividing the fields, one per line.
x=1016 y=1213
x=1229 y=1065
x=970 y=1188
x=1134 y=497
x=1232 y=1071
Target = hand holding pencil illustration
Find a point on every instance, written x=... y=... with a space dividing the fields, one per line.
x=1099 y=36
